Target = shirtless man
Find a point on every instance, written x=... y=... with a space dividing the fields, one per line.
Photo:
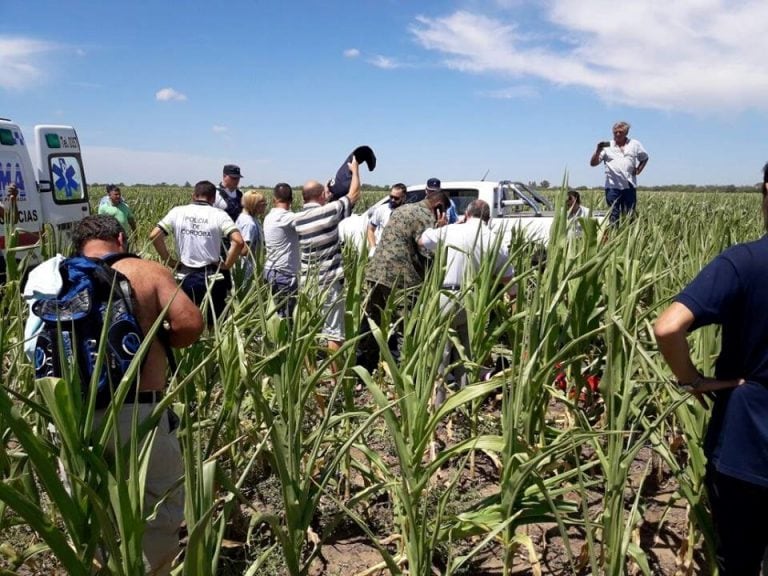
x=154 y=287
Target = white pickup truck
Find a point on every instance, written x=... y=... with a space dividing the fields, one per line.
x=514 y=205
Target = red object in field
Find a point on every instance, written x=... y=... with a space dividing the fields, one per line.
x=560 y=380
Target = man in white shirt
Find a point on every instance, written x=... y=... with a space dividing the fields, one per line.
x=466 y=244
x=199 y=230
x=624 y=159
x=281 y=242
x=381 y=215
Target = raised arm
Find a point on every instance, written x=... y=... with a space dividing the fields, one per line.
x=595 y=160
x=354 y=185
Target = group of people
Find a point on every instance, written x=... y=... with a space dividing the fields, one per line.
x=303 y=248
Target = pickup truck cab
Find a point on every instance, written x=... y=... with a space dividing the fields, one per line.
x=514 y=205
x=49 y=176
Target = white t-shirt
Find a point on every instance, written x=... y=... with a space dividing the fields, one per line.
x=379 y=219
x=281 y=241
x=466 y=243
x=621 y=163
x=574 y=226
x=198 y=230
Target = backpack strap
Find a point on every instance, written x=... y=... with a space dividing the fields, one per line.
x=110 y=259
x=162 y=333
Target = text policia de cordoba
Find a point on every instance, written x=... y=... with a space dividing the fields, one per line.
x=193 y=226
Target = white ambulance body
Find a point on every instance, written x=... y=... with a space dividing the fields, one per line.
x=50 y=179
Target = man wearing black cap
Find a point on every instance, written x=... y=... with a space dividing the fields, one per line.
x=228 y=195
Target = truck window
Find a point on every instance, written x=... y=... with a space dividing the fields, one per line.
x=67 y=181
x=462 y=197
x=414 y=196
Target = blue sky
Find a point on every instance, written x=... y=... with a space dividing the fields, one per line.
x=170 y=91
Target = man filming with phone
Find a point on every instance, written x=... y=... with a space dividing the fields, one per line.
x=624 y=159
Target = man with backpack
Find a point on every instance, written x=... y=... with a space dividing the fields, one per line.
x=228 y=196
x=138 y=291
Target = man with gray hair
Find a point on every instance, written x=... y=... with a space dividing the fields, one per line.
x=624 y=159
x=467 y=244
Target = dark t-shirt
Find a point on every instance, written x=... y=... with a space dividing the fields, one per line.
x=732 y=291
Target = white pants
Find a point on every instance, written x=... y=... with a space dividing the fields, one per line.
x=161 y=534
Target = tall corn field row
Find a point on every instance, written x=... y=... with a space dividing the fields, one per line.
x=280 y=458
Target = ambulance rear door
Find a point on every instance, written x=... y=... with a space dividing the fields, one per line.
x=61 y=176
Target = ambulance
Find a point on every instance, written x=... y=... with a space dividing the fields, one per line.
x=52 y=191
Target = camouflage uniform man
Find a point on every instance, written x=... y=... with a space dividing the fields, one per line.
x=397 y=263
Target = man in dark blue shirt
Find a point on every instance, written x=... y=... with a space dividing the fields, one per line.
x=731 y=291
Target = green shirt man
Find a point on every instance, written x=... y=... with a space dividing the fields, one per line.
x=118 y=208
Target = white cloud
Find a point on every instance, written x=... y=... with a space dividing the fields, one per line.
x=512 y=93
x=697 y=56
x=351 y=53
x=384 y=62
x=169 y=94
x=19 y=62
x=217 y=129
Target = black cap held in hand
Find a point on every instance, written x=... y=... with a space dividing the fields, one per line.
x=339 y=186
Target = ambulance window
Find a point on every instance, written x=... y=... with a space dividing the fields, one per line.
x=6 y=137
x=67 y=182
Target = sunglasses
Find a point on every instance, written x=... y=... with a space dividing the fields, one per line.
x=396 y=198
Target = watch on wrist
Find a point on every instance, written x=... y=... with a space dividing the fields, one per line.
x=692 y=386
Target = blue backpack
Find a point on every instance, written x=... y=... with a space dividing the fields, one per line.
x=95 y=300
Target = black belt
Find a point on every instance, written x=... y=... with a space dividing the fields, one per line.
x=453 y=287
x=209 y=269
x=144 y=397
x=104 y=398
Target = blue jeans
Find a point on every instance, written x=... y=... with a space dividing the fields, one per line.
x=284 y=287
x=622 y=202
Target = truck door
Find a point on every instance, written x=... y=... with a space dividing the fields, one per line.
x=63 y=190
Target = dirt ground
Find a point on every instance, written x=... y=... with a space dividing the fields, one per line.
x=662 y=536
x=348 y=551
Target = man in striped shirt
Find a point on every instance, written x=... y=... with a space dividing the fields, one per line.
x=317 y=226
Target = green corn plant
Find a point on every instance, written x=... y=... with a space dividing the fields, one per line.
x=98 y=500
x=302 y=451
x=411 y=423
